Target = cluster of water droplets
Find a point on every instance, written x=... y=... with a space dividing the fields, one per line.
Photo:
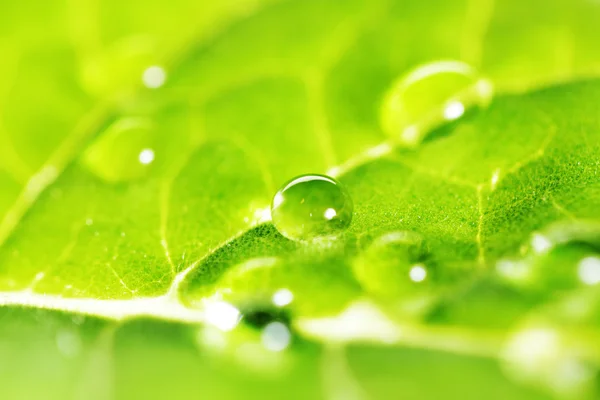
x=394 y=265
x=563 y=257
x=256 y=334
x=314 y=207
x=547 y=257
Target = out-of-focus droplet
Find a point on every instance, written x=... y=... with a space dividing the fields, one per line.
x=418 y=273
x=311 y=206
x=429 y=96
x=276 y=336
x=154 y=77
x=589 y=271
x=561 y=255
x=222 y=315
x=283 y=297
x=125 y=151
x=391 y=265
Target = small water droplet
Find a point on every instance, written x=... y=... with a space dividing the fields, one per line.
x=222 y=315
x=562 y=254
x=283 y=297
x=311 y=206
x=589 y=271
x=429 y=96
x=124 y=151
x=154 y=77
x=392 y=265
x=276 y=336
x=418 y=273
x=146 y=156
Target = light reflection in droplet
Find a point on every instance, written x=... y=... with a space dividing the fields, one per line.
x=154 y=77
x=330 y=213
x=276 y=336
x=146 y=156
x=454 y=110
x=222 y=315
x=282 y=297
x=540 y=243
x=418 y=273
x=589 y=271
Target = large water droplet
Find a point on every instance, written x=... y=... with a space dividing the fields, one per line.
x=125 y=151
x=311 y=206
x=429 y=96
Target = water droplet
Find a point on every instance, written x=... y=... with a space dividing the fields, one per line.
x=154 y=77
x=429 y=96
x=392 y=264
x=561 y=255
x=311 y=206
x=283 y=297
x=124 y=151
x=589 y=271
x=276 y=336
x=222 y=315
x=418 y=273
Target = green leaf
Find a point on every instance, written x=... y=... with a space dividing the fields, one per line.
x=251 y=100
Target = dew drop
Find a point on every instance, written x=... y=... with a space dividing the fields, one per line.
x=392 y=265
x=588 y=271
x=222 y=315
x=154 y=77
x=418 y=273
x=282 y=297
x=429 y=96
x=311 y=206
x=276 y=336
x=561 y=255
x=125 y=151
